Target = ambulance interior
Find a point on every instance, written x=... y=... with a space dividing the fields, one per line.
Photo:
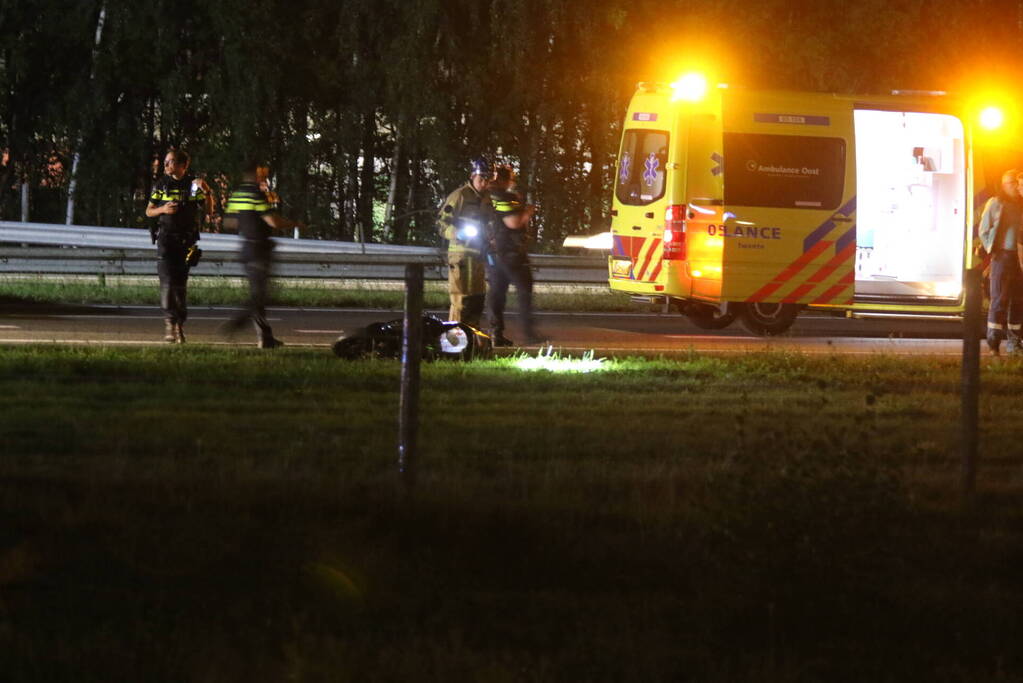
x=910 y=212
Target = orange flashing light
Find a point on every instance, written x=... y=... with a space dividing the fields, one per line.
x=991 y=118
x=692 y=87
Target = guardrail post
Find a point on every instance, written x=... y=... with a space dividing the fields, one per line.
x=411 y=358
x=971 y=380
x=24 y=202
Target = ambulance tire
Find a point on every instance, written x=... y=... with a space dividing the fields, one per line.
x=708 y=317
x=767 y=319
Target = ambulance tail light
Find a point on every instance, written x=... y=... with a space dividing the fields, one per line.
x=675 y=233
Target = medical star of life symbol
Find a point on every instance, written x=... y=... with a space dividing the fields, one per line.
x=650 y=174
x=626 y=169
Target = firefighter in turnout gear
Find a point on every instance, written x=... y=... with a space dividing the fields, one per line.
x=175 y=202
x=464 y=221
x=250 y=211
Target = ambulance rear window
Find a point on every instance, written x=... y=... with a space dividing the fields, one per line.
x=784 y=171
x=641 y=167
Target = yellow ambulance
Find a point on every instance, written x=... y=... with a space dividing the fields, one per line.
x=736 y=204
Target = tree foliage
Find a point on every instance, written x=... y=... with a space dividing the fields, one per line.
x=369 y=109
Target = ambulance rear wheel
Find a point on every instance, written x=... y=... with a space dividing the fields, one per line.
x=767 y=320
x=708 y=317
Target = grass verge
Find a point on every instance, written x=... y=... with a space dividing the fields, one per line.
x=212 y=291
x=212 y=514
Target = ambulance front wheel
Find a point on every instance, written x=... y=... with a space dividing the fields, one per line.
x=708 y=317
x=765 y=319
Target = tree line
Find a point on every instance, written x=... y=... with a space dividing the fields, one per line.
x=369 y=110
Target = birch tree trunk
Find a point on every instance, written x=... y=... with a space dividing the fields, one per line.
x=72 y=187
x=366 y=176
x=390 y=211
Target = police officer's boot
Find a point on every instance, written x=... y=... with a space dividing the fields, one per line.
x=499 y=339
x=179 y=333
x=265 y=338
x=1012 y=343
x=269 y=343
x=170 y=331
x=994 y=340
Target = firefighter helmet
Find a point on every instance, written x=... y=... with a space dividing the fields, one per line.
x=479 y=166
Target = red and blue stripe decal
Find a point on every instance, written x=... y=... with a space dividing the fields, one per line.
x=846 y=211
x=815 y=246
x=644 y=252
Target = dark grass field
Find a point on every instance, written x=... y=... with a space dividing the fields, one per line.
x=196 y=514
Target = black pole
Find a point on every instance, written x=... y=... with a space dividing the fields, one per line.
x=411 y=357
x=971 y=380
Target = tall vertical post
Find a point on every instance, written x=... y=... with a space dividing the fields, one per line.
x=72 y=188
x=24 y=201
x=411 y=358
x=971 y=380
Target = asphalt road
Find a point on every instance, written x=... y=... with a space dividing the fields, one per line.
x=601 y=332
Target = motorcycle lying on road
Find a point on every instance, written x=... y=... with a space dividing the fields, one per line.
x=442 y=339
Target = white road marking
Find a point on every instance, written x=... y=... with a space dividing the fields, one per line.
x=724 y=350
x=10 y=327
x=143 y=317
x=149 y=342
x=704 y=337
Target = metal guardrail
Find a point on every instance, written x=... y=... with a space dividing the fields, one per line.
x=126 y=251
x=135 y=238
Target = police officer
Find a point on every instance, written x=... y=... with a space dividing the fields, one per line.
x=1000 y=230
x=250 y=211
x=463 y=220
x=175 y=203
x=509 y=260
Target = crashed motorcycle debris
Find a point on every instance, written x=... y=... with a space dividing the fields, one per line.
x=442 y=339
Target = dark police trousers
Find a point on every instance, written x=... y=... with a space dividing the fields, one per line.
x=171 y=251
x=511 y=268
x=257 y=255
x=1006 y=311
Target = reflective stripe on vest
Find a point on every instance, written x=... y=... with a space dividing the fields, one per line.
x=175 y=196
x=238 y=203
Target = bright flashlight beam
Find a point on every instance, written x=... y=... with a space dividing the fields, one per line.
x=602 y=241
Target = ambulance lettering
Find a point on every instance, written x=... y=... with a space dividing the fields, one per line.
x=749 y=231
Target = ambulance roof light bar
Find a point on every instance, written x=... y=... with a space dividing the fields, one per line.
x=919 y=93
x=650 y=86
x=691 y=87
